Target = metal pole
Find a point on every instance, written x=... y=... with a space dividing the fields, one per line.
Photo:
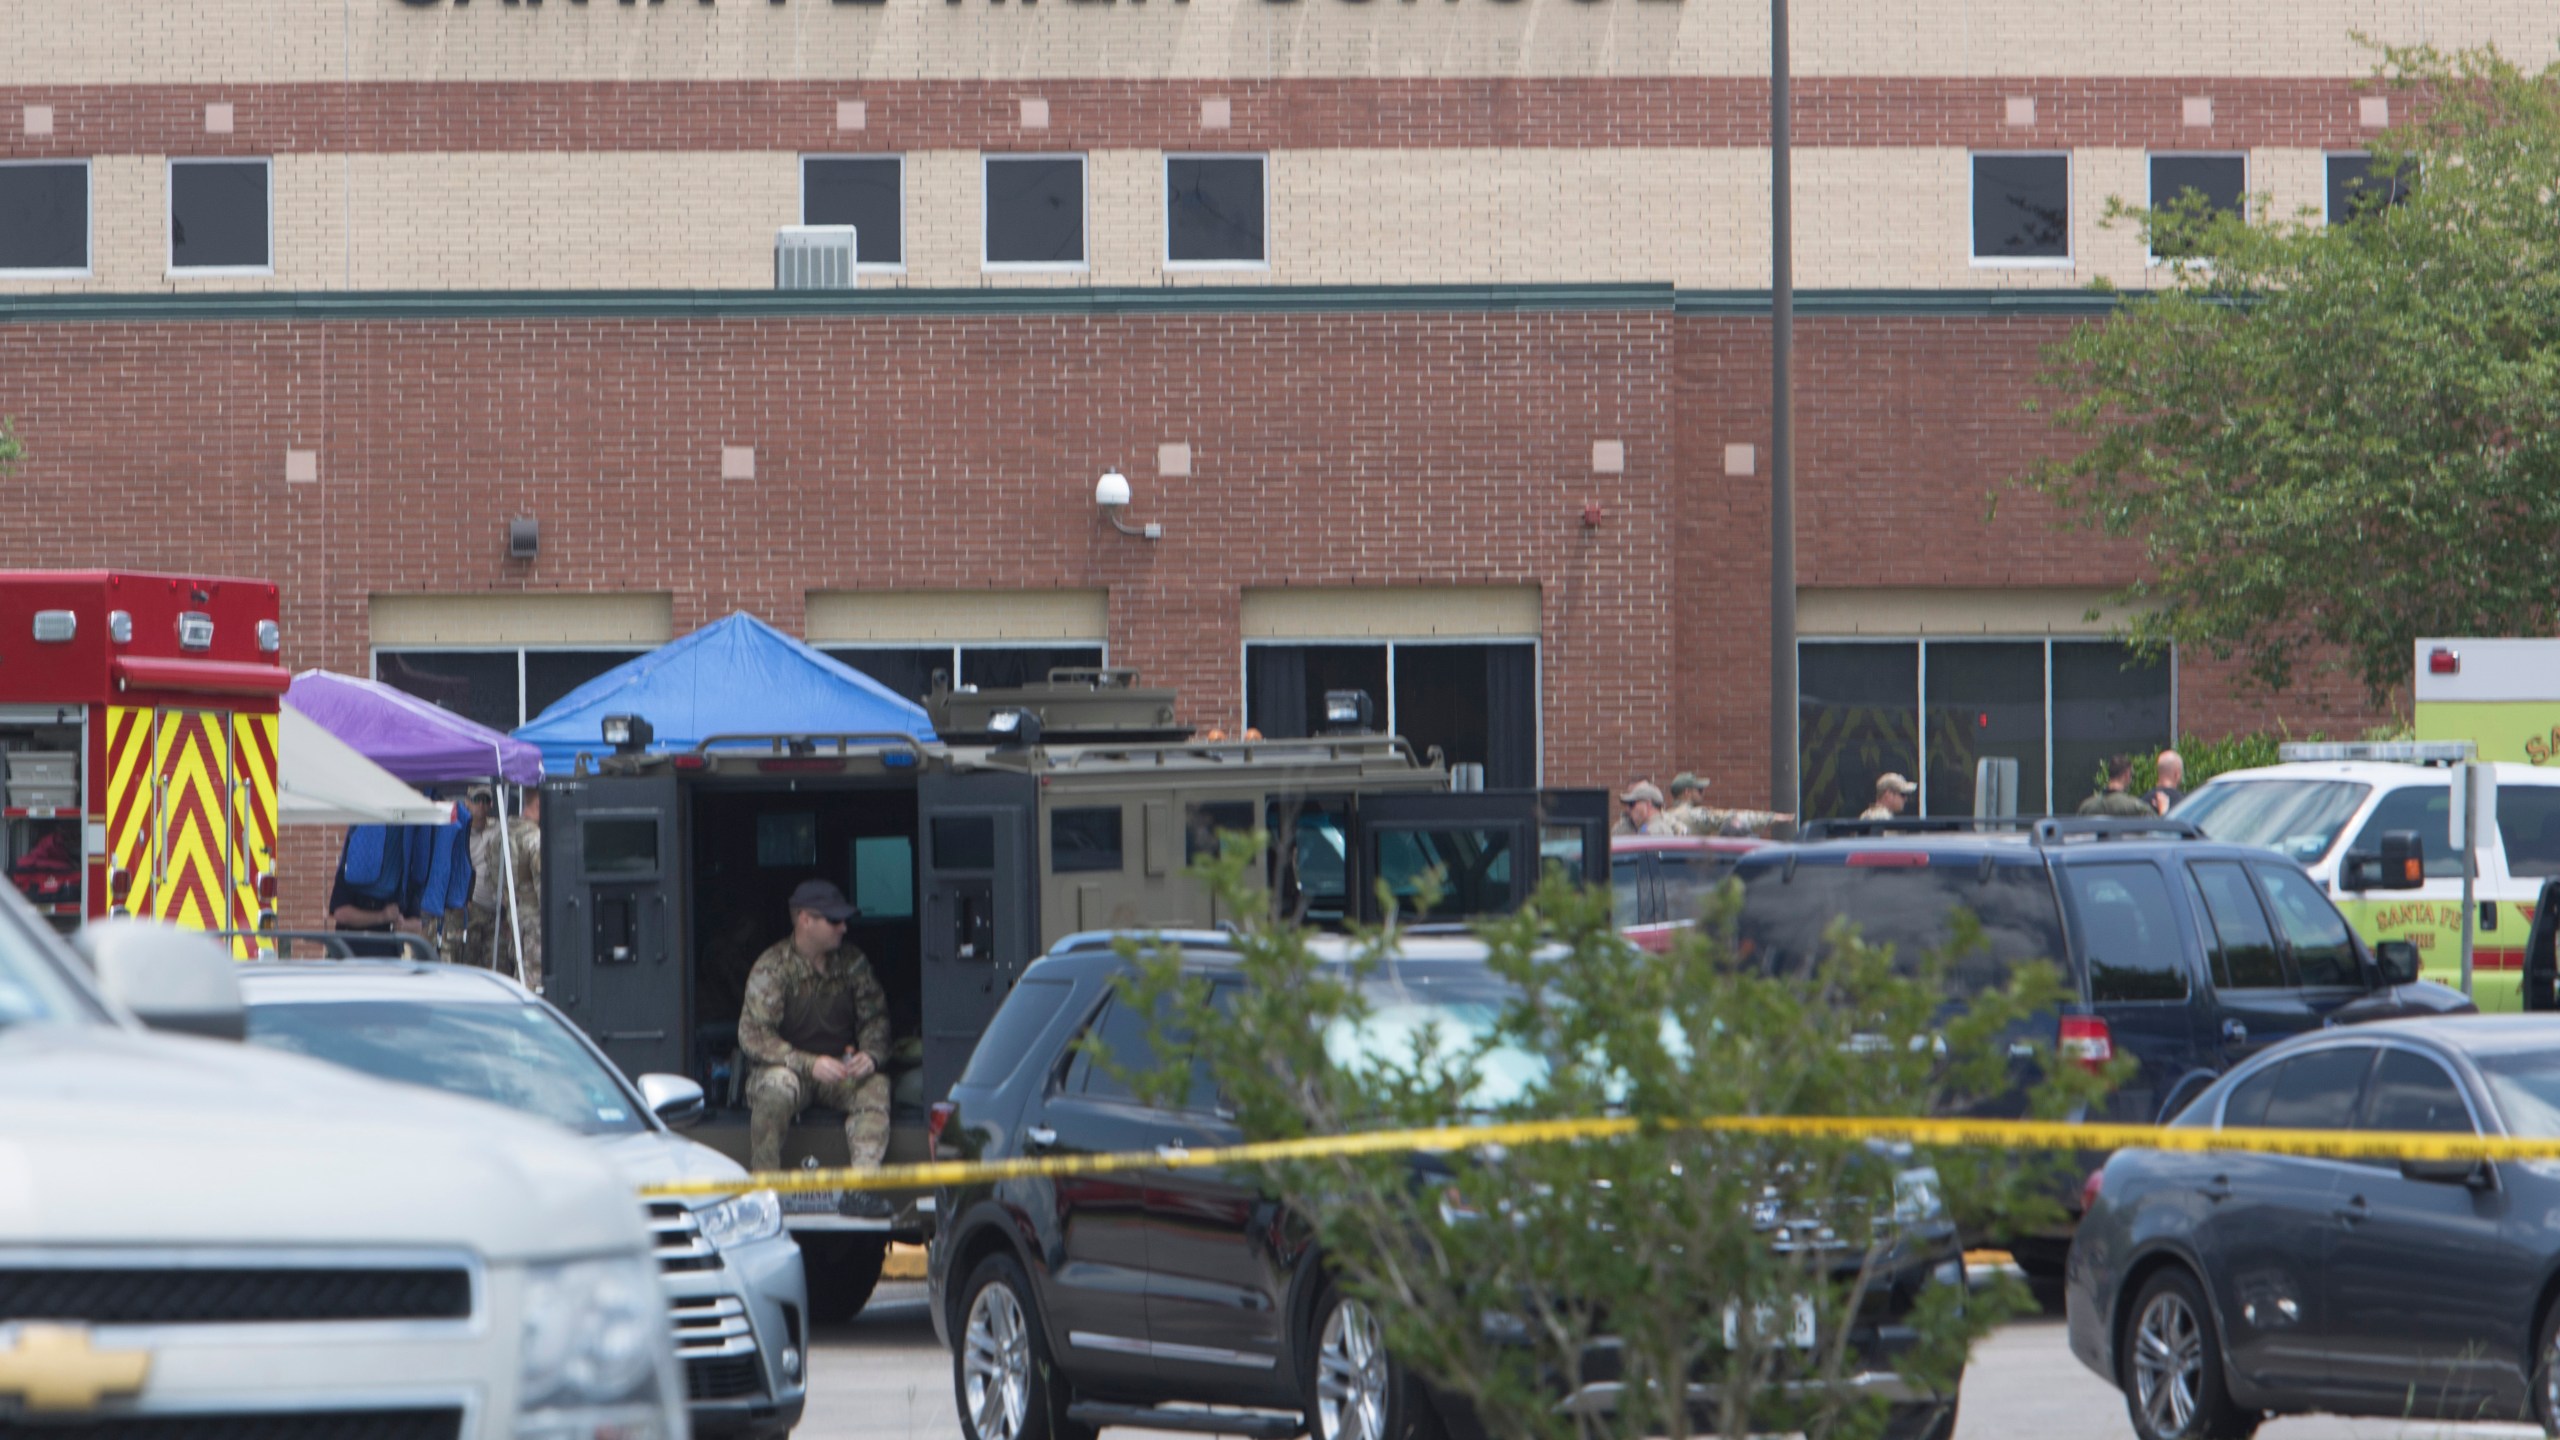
x=1783 y=793
x=2471 y=827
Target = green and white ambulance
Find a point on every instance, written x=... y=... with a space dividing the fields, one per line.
x=2501 y=696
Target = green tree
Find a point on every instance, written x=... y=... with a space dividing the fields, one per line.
x=2333 y=438
x=1491 y=1270
x=12 y=450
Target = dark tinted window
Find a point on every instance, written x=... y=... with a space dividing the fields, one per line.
x=964 y=842
x=1475 y=703
x=2107 y=700
x=1084 y=839
x=478 y=685
x=1285 y=685
x=1911 y=908
x=1000 y=667
x=621 y=846
x=1035 y=210
x=551 y=674
x=1859 y=711
x=2412 y=1092
x=1207 y=821
x=1312 y=860
x=218 y=214
x=1120 y=1041
x=2220 y=179
x=2529 y=826
x=2426 y=809
x=1985 y=701
x=1687 y=878
x=2248 y=1102
x=2022 y=207
x=2319 y=1091
x=2244 y=947
x=2355 y=189
x=864 y=192
x=44 y=217
x=1473 y=867
x=905 y=672
x=1626 y=890
x=1019 y=1021
x=2131 y=933
x=1213 y=209
x=2315 y=934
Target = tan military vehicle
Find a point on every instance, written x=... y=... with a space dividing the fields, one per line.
x=1041 y=811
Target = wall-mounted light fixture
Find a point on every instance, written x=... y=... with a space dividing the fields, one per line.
x=1111 y=492
x=524 y=539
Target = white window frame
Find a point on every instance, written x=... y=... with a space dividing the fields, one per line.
x=169 y=216
x=1387 y=702
x=373 y=660
x=2070 y=203
x=957 y=647
x=2151 y=190
x=88 y=223
x=2326 y=156
x=1920 y=710
x=1084 y=213
x=864 y=267
x=1268 y=215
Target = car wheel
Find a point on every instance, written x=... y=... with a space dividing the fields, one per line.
x=1354 y=1389
x=842 y=1271
x=1001 y=1373
x=2546 y=1375
x=1926 y=1420
x=2170 y=1364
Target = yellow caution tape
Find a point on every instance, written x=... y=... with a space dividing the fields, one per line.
x=1935 y=1133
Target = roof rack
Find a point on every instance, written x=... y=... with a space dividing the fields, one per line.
x=2406 y=752
x=1911 y=825
x=2042 y=829
x=2062 y=830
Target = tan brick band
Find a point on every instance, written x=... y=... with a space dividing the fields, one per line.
x=1693 y=112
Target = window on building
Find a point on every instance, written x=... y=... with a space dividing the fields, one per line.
x=221 y=216
x=2354 y=188
x=1035 y=212
x=500 y=687
x=1934 y=709
x=2221 y=182
x=1475 y=701
x=867 y=192
x=2022 y=209
x=908 y=670
x=44 y=217
x=1214 y=210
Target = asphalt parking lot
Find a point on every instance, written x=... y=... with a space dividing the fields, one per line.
x=882 y=1377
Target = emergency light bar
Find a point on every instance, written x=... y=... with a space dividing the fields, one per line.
x=2406 y=752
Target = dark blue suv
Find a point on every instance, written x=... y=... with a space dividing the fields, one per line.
x=2187 y=954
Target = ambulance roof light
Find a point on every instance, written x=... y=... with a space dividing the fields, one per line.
x=270 y=637
x=2406 y=752
x=2444 y=660
x=56 y=627
x=120 y=626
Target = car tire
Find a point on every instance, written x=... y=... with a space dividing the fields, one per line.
x=1921 y=1420
x=842 y=1272
x=1353 y=1389
x=2546 y=1374
x=2169 y=1364
x=1002 y=1377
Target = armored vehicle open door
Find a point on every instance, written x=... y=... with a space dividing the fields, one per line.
x=979 y=880
x=1487 y=850
x=613 y=956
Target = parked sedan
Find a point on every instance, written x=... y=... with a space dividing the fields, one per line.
x=2217 y=1289
x=732 y=1276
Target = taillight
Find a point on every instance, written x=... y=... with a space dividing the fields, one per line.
x=934 y=1119
x=267 y=886
x=2089 y=1190
x=2085 y=1038
x=1889 y=859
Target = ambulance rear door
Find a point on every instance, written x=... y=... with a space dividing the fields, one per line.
x=612 y=915
x=978 y=881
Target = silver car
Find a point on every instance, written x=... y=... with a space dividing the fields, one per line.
x=731 y=1273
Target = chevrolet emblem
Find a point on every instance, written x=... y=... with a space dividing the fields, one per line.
x=52 y=1369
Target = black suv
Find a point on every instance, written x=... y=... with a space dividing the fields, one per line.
x=1137 y=1298
x=2185 y=953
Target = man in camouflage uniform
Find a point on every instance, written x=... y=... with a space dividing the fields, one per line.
x=474 y=943
x=1690 y=812
x=816 y=1026
x=524 y=837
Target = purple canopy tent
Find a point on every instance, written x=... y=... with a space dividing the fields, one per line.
x=422 y=744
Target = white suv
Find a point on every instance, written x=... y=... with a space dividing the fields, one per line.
x=200 y=1235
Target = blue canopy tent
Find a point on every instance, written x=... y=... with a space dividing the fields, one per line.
x=733 y=676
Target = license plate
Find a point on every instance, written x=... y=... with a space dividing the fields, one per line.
x=1799 y=1327
x=812 y=1202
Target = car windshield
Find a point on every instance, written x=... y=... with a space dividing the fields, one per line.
x=519 y=1056
x=33 y=989
x=1787 y=908
x=2297 y=818
x=1448 y=1016
x=2526 y=1089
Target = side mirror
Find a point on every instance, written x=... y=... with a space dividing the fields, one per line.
x=2402 y=865
x=2472 y=1174
x=673 y=1099
x=2397 y=960
x=171 y=979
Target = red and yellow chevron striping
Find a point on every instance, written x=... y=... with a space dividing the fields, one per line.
x=129 y=808
x=191 y=767
x=252 y=821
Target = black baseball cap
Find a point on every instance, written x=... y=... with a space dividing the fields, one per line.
x=823 y=898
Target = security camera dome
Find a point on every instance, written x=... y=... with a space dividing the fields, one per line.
x=1111 y=490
